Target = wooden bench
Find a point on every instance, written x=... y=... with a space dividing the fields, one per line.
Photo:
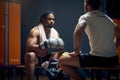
x=22 y=67
x=110 y=71
x=11 y=69
x=115 y=69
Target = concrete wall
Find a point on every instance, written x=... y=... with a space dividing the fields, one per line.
x=67 y=15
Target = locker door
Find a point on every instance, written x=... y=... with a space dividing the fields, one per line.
x=14 y=33
x=1 y=32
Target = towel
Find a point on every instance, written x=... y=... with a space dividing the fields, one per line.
x=53 y=33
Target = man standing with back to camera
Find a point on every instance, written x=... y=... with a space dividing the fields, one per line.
x=100 y=30
x=40 y=39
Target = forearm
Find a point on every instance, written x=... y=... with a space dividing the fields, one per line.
x=32 y=47
x=77 y=44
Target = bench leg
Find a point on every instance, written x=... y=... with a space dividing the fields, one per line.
x=37 y=74
x=21 y=73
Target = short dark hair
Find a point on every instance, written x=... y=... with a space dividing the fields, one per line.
x=94 y=3
x=44 y=15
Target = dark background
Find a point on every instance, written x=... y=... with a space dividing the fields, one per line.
x=67 y=14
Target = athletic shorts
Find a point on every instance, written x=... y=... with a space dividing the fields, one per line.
x=43 y=59
x=87 y=60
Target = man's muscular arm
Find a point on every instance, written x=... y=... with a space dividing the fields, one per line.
x=78 y=33
x=32 y=42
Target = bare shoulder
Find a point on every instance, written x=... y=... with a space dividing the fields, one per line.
x=34 y=31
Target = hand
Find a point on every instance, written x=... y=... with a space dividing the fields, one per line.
x=45 y=64
x=60 y=50
x=74 y=54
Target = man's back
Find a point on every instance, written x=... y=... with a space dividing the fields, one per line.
x=100 y=31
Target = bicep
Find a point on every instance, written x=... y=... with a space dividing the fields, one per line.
x=32 y=38
x=78 y=32
x=79 y=29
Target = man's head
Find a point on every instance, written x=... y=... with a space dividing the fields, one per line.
x=47 y=18
x=90 y=5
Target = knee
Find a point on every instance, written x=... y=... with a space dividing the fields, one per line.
x=29 y=57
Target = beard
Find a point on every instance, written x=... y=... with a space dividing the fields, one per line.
x=50 y=26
